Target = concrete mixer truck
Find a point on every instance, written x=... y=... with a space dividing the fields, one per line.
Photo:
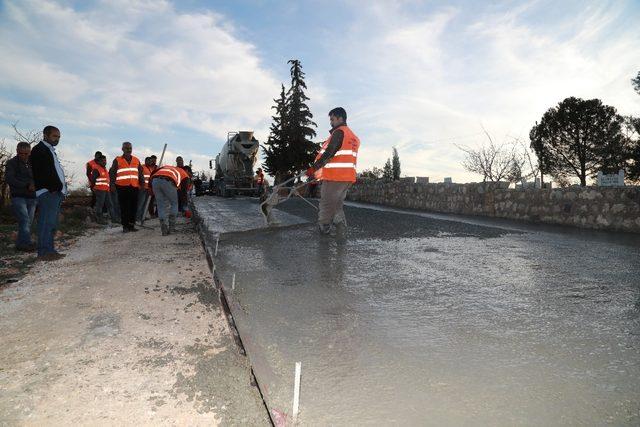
x=234 y=165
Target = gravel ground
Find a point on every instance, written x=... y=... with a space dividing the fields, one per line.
x=125 y=330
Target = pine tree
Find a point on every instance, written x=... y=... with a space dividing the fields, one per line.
x=299 y=128
x=395 y=165
x=275 y=149
x=289 y=149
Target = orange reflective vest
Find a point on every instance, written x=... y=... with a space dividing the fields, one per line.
x=102 y=181
x=89 y=167
x=176 y=174
x=342 y=166
x=127 y=174
x=147 y=174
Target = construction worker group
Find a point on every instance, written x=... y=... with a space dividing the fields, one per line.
x=129 y=189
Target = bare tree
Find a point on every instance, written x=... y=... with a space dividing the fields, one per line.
x=31 y=136
x=7 y=152
x=5 y=155
x=373 y=173
x=494 y=162
x=532 y=166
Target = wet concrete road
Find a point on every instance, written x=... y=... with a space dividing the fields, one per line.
x=421 y=320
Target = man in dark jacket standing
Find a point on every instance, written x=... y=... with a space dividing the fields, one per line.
x=19 y=176
x=51 y=189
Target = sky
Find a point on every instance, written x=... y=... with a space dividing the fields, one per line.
x=421 y=76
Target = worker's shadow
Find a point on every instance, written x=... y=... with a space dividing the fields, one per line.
x=331 y=261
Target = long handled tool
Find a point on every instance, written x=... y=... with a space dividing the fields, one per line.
x=277 y=197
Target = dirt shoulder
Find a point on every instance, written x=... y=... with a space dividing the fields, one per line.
x=74 y=222
x=125 y=330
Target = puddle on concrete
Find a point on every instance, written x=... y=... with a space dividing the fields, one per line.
x=418 y=320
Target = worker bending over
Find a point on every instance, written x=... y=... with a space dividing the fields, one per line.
x=335 y=166
x=167 y=182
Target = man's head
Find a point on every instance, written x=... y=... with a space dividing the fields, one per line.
x=23 y=149
x=147 y=161
x=179 y=162
x=127 y=148
x=153 y=159
x=97 y=155
x=337 y=117
x=51 y=135
x=102 y=160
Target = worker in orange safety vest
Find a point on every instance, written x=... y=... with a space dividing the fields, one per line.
x=335 y=167
x=144 y=193
x=101 y=187
x=89 y=167
x=260 y=181
x=165 y=183
x=127 y=179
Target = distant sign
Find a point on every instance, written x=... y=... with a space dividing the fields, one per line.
x=612 y=180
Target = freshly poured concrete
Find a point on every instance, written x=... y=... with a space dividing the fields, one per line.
x=417 y=320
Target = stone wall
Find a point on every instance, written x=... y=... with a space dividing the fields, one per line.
x=589 y=207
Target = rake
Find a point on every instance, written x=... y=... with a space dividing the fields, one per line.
x=276 y=197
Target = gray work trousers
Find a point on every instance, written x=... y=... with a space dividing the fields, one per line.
x=143 y=195
x=103 y=198
x=115 y=205
x=166 y=194
x=332 y=194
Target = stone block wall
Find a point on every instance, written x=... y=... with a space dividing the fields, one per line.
x=589 y=207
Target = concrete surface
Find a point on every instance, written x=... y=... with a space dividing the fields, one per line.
x=126 y=330
x=417 y=320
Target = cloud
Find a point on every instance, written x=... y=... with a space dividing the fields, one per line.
x=421 y=76
x=141 y=63
x=130 y=64
x=440 y=73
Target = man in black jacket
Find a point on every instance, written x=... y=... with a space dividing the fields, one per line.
x=51 y=189
x=19 y=176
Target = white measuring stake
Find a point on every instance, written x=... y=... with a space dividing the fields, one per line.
x=216 y=251
x=233 y=282
x=296 y=391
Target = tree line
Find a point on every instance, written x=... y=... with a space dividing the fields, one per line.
x=575 y=139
